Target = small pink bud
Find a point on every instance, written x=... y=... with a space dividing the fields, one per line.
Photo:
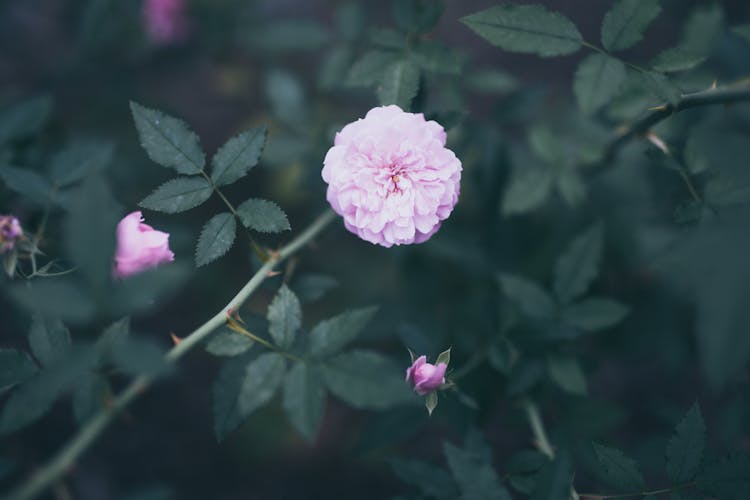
x=165 y=21
x=425 y=377
x=10 y=232
x=139 y=246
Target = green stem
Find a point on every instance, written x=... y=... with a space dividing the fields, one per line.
x=600 y=50
x=537 y=428
x=51 y=472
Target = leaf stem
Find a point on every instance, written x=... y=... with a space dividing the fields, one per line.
x=262 y=254
x=61 y=463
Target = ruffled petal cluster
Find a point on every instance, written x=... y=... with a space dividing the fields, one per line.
x=391 y=177
x=139 y=246
x=424 y=376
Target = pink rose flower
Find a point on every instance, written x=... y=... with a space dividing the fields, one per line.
x=425 y=377
x=10 y=232
x=139 y=246
x=391 y=178
x=165 y=20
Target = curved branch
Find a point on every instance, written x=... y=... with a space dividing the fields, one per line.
x=60 y=464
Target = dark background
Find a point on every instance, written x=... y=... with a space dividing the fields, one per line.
x=92 y=57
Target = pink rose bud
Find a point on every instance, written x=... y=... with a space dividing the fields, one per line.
x=139 y=246
x=10 y=232
x=391 y=178
x=425 y=377
x=165 y=21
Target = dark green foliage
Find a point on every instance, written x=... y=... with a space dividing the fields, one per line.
x=685 y=448
x=526 y=28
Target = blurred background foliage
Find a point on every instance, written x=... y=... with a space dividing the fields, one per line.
x=611 y=288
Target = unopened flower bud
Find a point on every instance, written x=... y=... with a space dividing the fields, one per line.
x=424 y=376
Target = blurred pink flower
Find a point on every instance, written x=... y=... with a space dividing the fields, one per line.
x=165 y=20
x=139 y=246
x=425 y=377
x=391 y=178
x=10 y=231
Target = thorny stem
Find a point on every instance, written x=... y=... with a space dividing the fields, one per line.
x=737 y=92
x=59 y=465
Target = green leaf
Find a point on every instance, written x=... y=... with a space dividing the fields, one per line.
x=659 y=86
x=304 y=399
x=476 y=478
x=167 y=140
x=136 y=356
x=578 y=266
x=35 y=397
x=567 y=373
x=286 y=95
x=417 y=16
x=80 y=159
x=625 y=23
x=111 y=337
x=491 y=81
x=431 y=402
x=594 y=314
x=444 y=357
x=92 y=394
x=150 y=289
x=619 y=471
x=216 y=238
x=529 y=188
x=742 y=30
x=433 y=481
x=553 y=482
x=434 y=57
x=49 y=340
x=25 y=118
x=90 y=228
x=333 y=334
x=366 y=379
x=685 y=448
x=701 y=32
x=598 y=79
x=178 y=195
x=572 y=187
x=225 y=342
x=524 y=375
x=243 y=386
x=26 y=182
x=726 y=478
x=399 y=85
x=311 y=287
x=369 y=69
x=286 y=35
x=284 y=317
x=238 y=155
x=263 y=215
x=528 y=296
x=55 y=298
x=15 y=367
x=526 y=28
